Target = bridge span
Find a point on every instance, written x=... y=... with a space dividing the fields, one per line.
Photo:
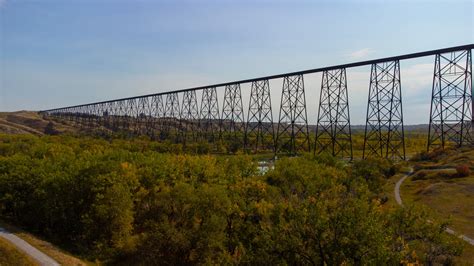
x=177 y=116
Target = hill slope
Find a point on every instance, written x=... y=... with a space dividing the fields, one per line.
x=28 y=122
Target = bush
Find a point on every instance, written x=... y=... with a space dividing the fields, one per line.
x=122 y=202
x=463 y=170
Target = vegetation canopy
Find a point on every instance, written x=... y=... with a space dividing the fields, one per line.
x=127 y=201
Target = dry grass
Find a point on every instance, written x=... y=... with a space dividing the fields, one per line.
x=27 y=122
x=436 y=184
x=61 y=256
x=11 y=256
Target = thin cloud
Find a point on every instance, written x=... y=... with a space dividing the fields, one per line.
x=2 y=3
x=362 y=53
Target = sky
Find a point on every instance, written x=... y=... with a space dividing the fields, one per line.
x=56 y=53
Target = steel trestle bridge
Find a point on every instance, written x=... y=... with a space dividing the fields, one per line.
x=177 y=115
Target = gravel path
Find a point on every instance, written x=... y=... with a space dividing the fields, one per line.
x=21 y=244
x=399 y=201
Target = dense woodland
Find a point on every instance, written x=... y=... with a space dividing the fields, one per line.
x=144 y=202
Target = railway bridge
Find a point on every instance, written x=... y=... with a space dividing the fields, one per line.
x=183 y=117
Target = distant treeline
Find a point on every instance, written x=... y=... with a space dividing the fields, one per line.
x=143 y=202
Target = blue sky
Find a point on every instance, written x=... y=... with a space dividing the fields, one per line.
x=64 y=52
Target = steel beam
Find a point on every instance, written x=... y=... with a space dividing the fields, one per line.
x=314 y=70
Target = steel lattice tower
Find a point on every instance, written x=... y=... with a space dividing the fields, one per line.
x=292 y=132
x=384 y=133
x=143 y=116
x=157 y=113
x=210 y=120
x=333 y=130
x=109 y=116
x=451 y=115
x=189 y=116
x=122 y=116
x=171 y=117
x=232 y=110
x=101 y=116
x=259 y=126
x=133 y=114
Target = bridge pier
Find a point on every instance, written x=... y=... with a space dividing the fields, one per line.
x=156 y=115
x=333 y=129
x=189 y=117
x=171 y=117
x=384 y=133
x=210 y=117
x=292 y=132
x=451 y=114
x=259 y=131
x=232 y=123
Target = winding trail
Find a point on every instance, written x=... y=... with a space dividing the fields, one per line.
x=398 y=198
x=21 y=244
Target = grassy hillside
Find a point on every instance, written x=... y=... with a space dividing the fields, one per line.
x=444 y=181
x=28 y=122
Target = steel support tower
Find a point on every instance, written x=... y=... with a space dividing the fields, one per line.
x=292 y=133
x=189 y=117
x=171 y=117
x=384 y=132
x=143 y=116
x=259 y=131
x=210 y=120
x=333 y=130
x=157 y=115
x=233 y=125
x=451 y=114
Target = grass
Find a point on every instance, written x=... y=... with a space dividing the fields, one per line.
x=61 y=256
x=10 y=255
x=447 y=200
x=437 y=185
x=452 y=199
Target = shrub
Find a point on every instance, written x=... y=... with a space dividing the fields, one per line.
x=463 y=170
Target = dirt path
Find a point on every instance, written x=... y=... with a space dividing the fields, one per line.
x=398 y=198
x=21 y=244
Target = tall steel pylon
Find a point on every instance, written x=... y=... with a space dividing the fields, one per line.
x=259 y=131
x=232 y=112
x=333 y=129
x=109 y=116
x=143 y=116
x=189 y=116
x=384 y=132
x=292 y=133
x=122 y=116
x=157 y=113
x=210 y=120
x=133 y=113
x=171 y=117
x=102 y=113
x=451 y=114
